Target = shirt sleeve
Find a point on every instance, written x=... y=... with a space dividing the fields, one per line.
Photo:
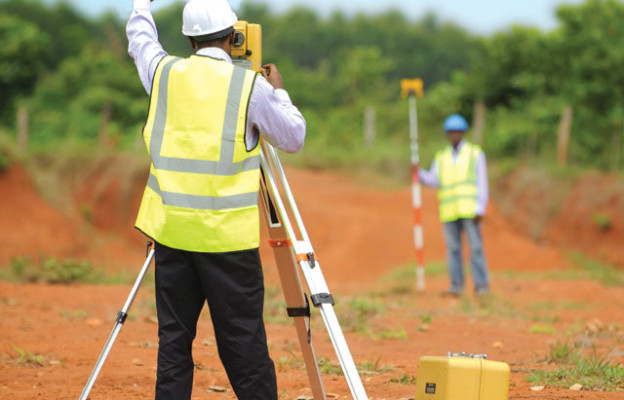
x=273 y=115
x=429 y=177
x=482 y=184
x=143 y=45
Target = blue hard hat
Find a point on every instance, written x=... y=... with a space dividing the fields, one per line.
x=455 y=123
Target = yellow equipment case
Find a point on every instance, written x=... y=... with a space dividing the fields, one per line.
x=461 y=377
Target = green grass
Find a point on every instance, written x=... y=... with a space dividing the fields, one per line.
x=394 y=334
x=402 y=280
x=354 y=315
x=63 y=271
x=574 y=367
x=543 y=329
x=585 y=268
x=373 y=366
x=51 y=270
x=562 y=352
x=598 y=271
x=327 y=366
x=602 y=221
x=29 y=359
x=404 y=379
x=593 y=373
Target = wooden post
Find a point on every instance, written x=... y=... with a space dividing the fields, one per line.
x=565 y=125
x=107 y=112
x=616 y=148
x=370 y=127
x=22 y=128
x=478 y=123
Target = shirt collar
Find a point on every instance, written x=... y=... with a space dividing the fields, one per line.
x=214 y=52
x=459 y=146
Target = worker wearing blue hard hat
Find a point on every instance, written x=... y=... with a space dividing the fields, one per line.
x=459 y=172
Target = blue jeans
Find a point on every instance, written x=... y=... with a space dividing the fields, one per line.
x=452 y=234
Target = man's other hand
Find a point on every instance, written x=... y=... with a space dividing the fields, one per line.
x=272 y=75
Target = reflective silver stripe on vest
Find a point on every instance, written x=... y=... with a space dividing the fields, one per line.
x=202 y=202
x=224 y=167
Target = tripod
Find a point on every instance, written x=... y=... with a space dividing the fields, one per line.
x=292 y=248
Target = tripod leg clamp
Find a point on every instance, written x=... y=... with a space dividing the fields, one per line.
x=121 y=317
x=309 y=257
x=322 y=298
x=301 y=312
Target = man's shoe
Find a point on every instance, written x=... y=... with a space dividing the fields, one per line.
x=482 y=291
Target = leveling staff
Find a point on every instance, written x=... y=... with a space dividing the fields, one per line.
x=200 y=203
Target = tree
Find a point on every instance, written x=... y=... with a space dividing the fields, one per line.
x=23 y=49
x=592 y=41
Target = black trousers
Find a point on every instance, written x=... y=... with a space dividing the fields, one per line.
x=233 y=285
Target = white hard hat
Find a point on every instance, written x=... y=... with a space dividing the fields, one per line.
x=206 y=17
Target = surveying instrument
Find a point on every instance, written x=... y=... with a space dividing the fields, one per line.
x=412 y=88
x=293 y=251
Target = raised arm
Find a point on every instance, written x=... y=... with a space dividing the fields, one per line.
x=143 y=45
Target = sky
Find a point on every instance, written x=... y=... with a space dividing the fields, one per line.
x=478 y=16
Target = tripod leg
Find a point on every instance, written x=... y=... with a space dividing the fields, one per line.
x=324 y=301
x=299 y=309
x=121 y=318
x=296 y=301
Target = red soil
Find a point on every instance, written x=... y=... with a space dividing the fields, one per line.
x=360 y=234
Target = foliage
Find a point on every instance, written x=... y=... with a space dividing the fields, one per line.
x=69 y=105
x=23 y=47
x=51 y=271
x=82 y=88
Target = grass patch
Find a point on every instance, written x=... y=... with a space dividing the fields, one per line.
x=403 y=279
x=373 y=366
x=29 y=359
x=543 y=329
x=404 y=379
x=593 y=373
x=598 y=271
x=394 y=334
x=355 y=317
x=585 y=268
x=25 y=269
x=51 y=270
x=563 y=353
x=327 y=366
x=602 y=221
x=73 y=315
x=574 y=367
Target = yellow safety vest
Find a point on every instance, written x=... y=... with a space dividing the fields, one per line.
x=202 y=191
x=457 y=179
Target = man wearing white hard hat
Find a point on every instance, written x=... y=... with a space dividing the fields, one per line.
x=200 y=202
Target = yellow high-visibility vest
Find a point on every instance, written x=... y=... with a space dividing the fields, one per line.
x=202 y=191
x=457 y=179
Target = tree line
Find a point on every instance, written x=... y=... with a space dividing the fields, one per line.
x=72 y=82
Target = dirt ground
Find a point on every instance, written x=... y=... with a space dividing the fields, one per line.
x=53 y=334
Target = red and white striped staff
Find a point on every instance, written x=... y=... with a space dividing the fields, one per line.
x=413 y=88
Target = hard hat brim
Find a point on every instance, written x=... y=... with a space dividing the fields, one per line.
x=213 y=36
